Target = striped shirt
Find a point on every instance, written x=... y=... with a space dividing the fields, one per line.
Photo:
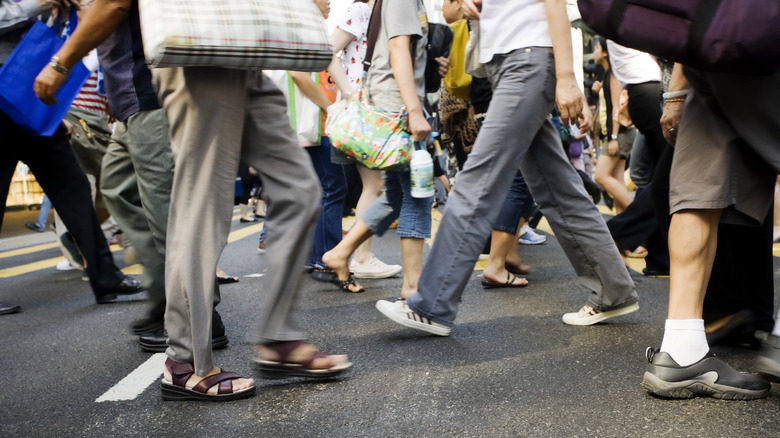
x=88 y=98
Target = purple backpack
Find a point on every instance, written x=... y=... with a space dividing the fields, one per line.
x=730 y=36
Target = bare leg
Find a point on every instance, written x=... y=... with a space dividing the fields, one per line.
x=411 y=251
x=609 y=175
x=501 y=244
x=338 y=257
x=512 y=257
x=372 y=188
x=693 y=239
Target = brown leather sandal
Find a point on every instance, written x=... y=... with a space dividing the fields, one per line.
x=281 y=368
x=181 y=372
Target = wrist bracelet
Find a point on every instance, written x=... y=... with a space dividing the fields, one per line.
x=55 y=64
x=613 y=137
x=673 y=94
x=675 y=99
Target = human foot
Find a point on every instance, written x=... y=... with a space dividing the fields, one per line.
x=510 y=280
x=340 y=266
x=298 y=359
x=180 y=383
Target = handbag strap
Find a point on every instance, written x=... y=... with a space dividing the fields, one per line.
x=373 y=34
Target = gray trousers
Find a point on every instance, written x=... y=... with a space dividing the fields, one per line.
x=217 y=117
x=517 y=133
x=136 y=180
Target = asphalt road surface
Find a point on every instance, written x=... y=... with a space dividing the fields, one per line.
x=71 y=368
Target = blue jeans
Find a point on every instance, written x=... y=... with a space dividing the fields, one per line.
x=413 y=214
x=43 y=216
x=518 y=204
x=327 y=232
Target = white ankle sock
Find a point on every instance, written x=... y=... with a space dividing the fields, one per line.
x=685 y=340
x=776 y=330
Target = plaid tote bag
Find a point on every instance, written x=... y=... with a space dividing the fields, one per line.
x=239 y=34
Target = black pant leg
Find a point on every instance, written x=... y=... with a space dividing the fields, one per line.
x=58 y=172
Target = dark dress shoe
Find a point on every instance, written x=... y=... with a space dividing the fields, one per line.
x=34 y=227
x=157 y=342
x=148 y=324
x=243 y=221
x=127 y=286
x=655 y=272
x=6 y=309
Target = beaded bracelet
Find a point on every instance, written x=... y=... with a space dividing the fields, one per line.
x=675 y=99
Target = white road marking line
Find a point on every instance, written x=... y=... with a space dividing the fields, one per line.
x=136 y=382
x=253 y=275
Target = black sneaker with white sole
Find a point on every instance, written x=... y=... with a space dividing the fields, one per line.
x=709 y=376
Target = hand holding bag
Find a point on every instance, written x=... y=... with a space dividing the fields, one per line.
x=733 y=36
x=17 y=76
x=239 y=34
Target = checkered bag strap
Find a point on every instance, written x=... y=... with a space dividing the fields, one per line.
x=239 y=34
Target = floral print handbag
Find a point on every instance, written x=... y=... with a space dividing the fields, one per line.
x=372 y=136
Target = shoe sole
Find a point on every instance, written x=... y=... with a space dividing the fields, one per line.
x=216 y=344
x=172 y=392
x=690 y=388
x=374 y=275
x=276 y=370
x=410 y=323
x=599 y=317
x=528 y=242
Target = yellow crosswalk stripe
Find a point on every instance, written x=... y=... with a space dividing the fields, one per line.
x=28 y=250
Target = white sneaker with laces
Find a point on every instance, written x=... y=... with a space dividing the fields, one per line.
x=65 y=266
x=588 y=315
x=373 y=268
x=530 y=237
x=400 y=313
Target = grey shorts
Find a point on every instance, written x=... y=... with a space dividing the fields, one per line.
x=714 y=168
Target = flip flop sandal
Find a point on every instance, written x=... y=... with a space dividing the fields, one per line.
x=510 y=283
x=517 y=270
x=345 y=284
x=181 y=372
x=326 y=275
x=227 y=279
x=279 y=369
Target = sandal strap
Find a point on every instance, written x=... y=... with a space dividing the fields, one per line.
x=223 y=378
x=316 y=355
x=180 y=372
x=283 y=348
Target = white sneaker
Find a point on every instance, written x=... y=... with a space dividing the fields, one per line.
x=530 y=237
x=373 y=268
x=65 y=266
x=589 y=316
x=401 y=313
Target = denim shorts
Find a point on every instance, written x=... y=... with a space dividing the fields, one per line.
x=413 y=214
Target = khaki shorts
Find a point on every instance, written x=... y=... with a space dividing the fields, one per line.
x=714 y=168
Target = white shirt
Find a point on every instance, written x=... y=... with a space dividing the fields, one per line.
x=631 y=66
x=507 y=25
x=355 y=22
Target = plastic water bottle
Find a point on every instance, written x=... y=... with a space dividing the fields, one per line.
x=421 y=170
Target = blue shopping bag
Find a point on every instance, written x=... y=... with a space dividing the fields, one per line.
x=17 y=98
